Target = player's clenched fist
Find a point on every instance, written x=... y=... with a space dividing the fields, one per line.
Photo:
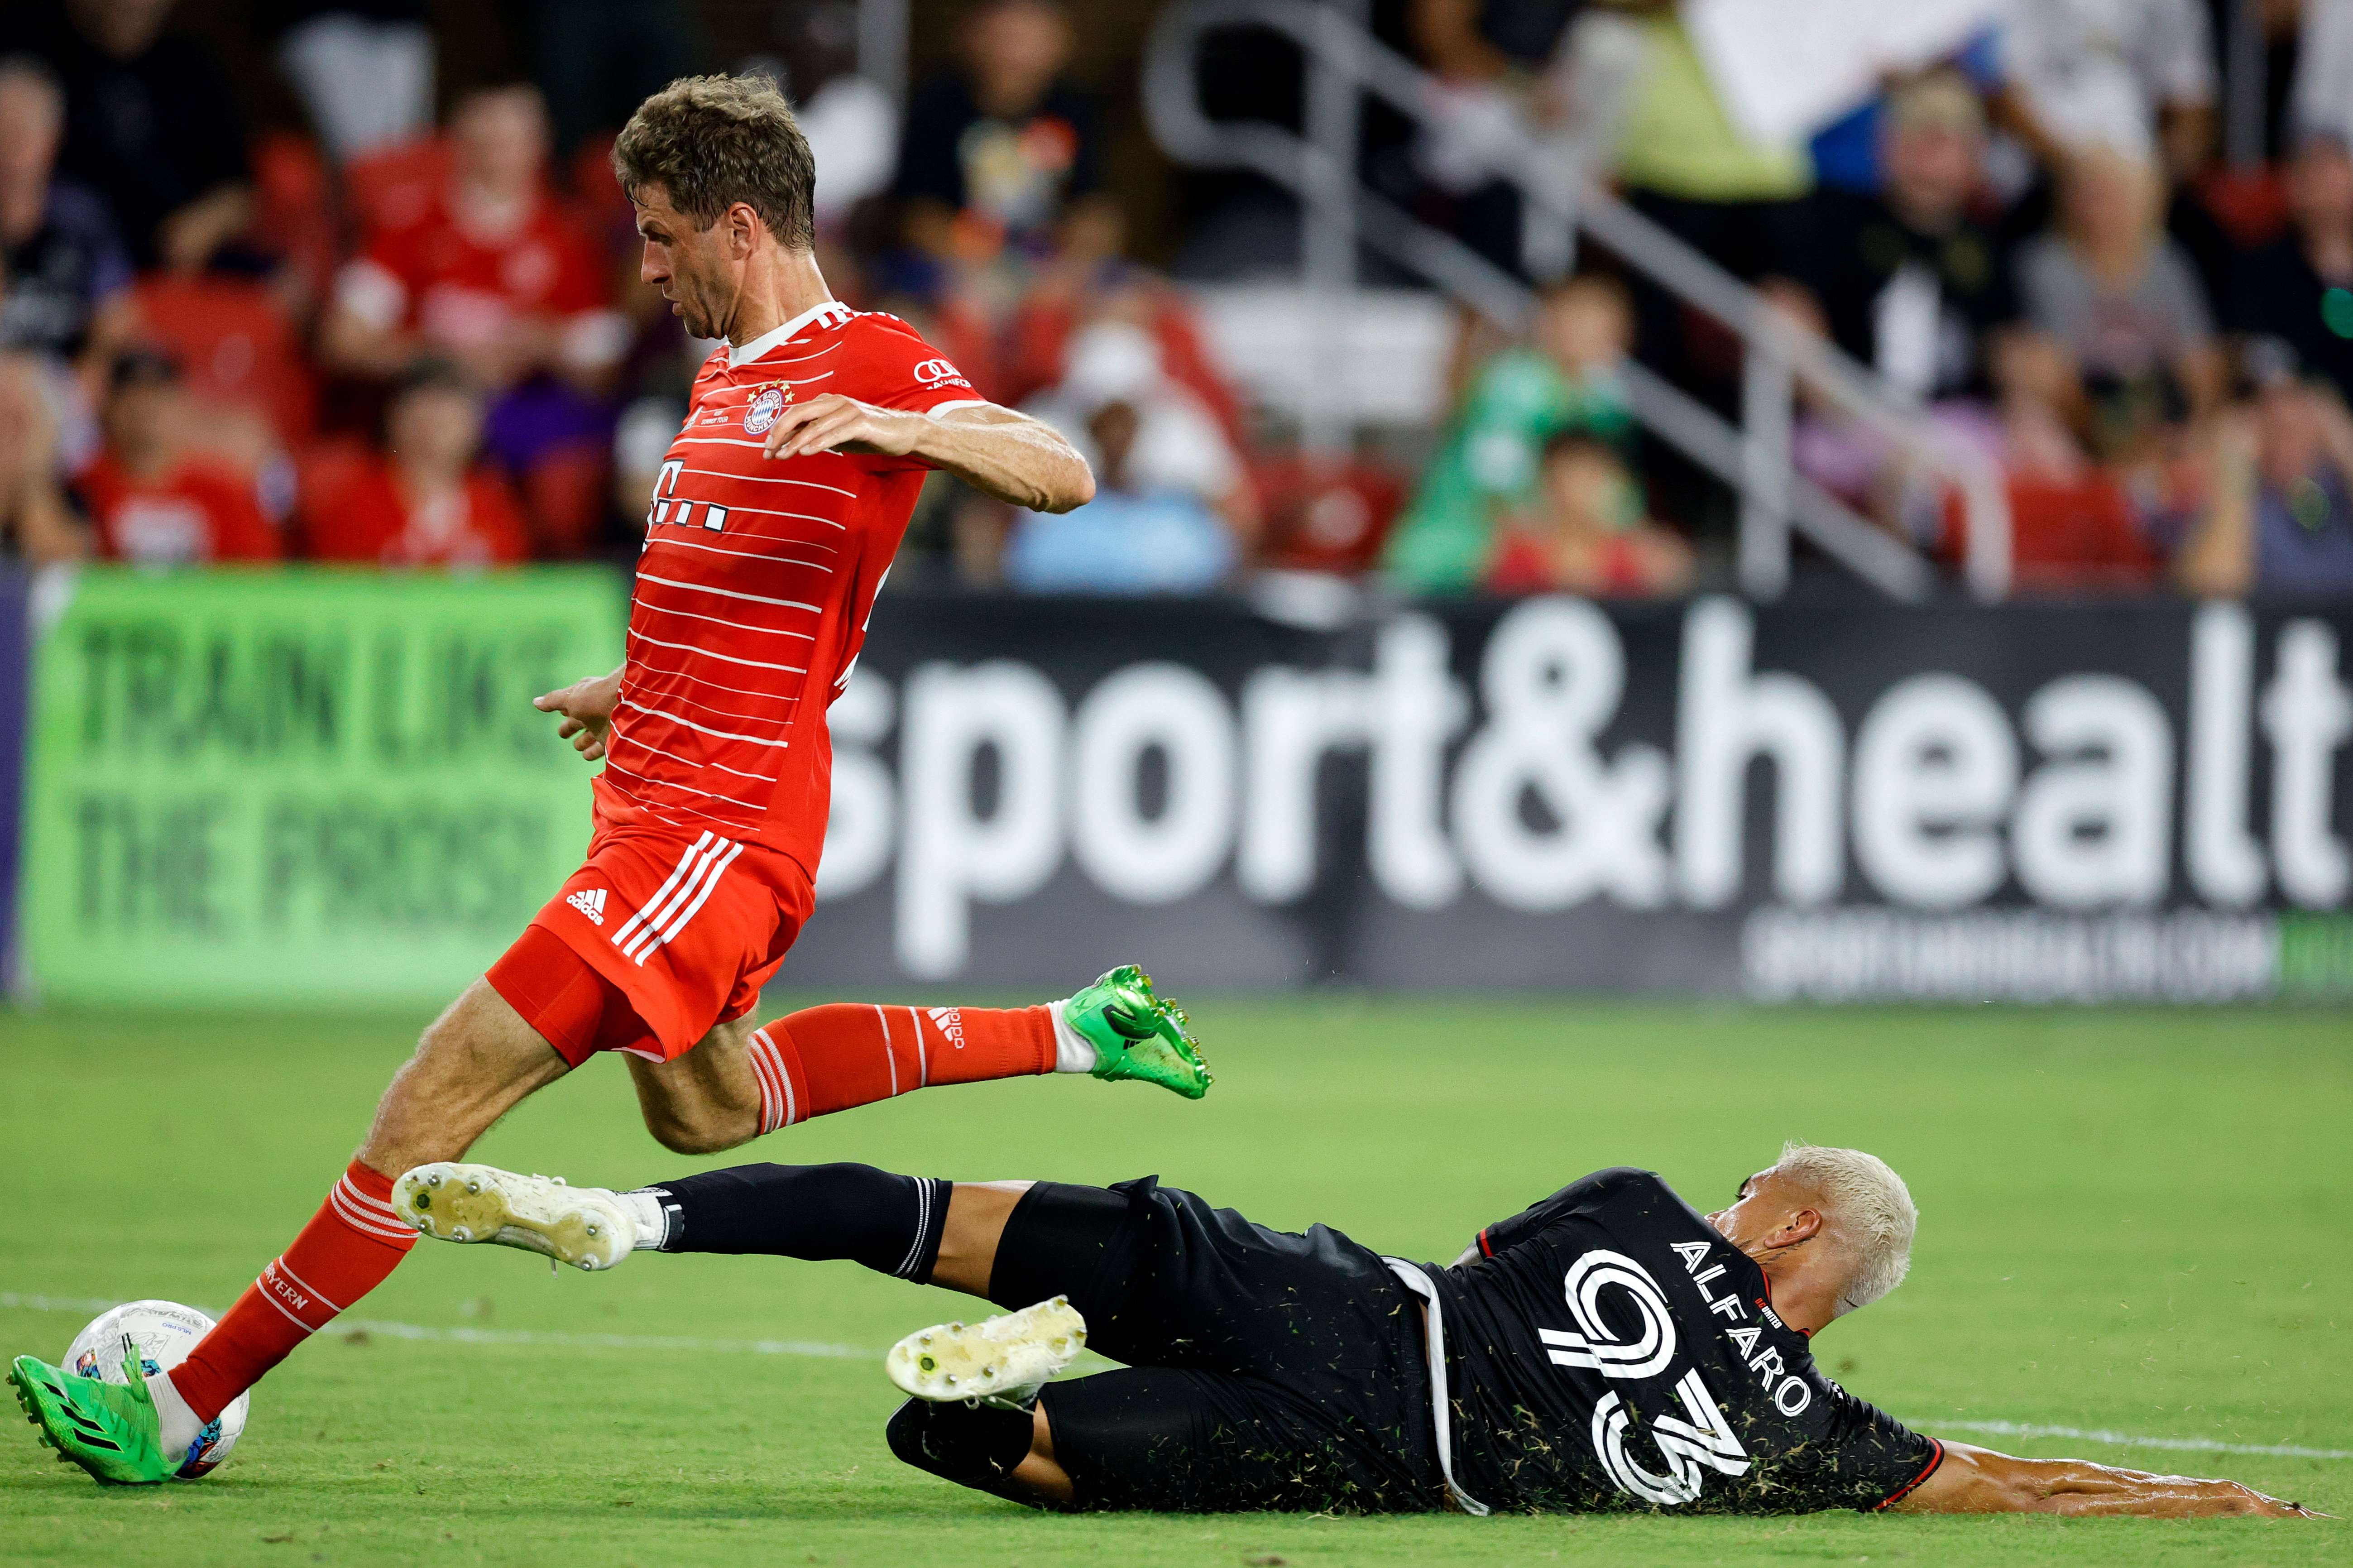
x=587 y=709
x=837 y=424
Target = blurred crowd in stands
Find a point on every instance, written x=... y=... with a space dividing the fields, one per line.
x=411 y=334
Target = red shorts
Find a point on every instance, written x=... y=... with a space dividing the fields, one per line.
x=656 y=939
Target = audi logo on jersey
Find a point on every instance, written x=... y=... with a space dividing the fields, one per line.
x=939 y=372
x=669 y=507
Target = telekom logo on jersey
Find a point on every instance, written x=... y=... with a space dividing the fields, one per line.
x=669 y=507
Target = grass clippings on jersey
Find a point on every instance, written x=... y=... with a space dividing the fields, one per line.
x=2133 y=1229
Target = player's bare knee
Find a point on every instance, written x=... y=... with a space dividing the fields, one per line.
x=699 y=1134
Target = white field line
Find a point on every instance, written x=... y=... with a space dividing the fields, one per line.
x=463 y=1336
x=96 y=1304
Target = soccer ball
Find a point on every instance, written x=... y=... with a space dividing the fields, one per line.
x=164 y=1332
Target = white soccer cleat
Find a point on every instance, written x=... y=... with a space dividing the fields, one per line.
x=1002 y=1361
x=589 y=1228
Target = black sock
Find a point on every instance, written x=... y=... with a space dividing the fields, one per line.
x=971 y=1445
x=890 y=1224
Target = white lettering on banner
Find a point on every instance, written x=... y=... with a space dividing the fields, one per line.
x=864 y=818
x=2009 y=955
x=2308 y=714
x=949 y=854
x=1552 y=678
x=2225 y=863
x=1727 y=716
x=2094 y=824
x=1176 y=712
x=1951 y=802
x=1934 y=767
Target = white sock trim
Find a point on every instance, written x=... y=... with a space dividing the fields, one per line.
x=1073 y=1052
x=644 y=1206
x=179 y=1427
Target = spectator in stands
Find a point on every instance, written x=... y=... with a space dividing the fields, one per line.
x=2134 y=75
x=153 y=496
x=1566 y=379
x=1177 y=443
x=2281 y=519
x=2124 y=300
x=597 y=60
x=2072 y=527
x=1905 y=281
x=65 y=282
x=37 y=524
x=494 y=278
x=1137 y=536
x=2298 y=289
x=2321 y=100
x=363 y=69
x=1588 y=531
x=1005 y=154
x=428 y=501
x=150 y=124
x=1690 y=170
x=851 y=121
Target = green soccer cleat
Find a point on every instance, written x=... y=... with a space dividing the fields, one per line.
x=109 y=1430
x=1137 y=1034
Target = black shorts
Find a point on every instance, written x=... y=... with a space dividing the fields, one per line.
x=1264 y=1370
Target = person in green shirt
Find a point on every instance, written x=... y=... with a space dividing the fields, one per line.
x=1566 y=378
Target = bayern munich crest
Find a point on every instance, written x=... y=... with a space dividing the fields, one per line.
x=762 y=411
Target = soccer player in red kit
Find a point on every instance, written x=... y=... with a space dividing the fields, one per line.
x=769 y=533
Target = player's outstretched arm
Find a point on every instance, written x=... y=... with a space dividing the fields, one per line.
x=1978 y=1480
x=587 y=709
x=996 y=451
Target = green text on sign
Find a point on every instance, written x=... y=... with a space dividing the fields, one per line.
x=301 y=786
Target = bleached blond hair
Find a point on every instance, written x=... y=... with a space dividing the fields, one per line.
x=1870 y=1213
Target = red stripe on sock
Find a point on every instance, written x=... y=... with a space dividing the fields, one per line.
x=347 y=1249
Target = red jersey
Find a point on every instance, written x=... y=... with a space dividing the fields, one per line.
x=756 y=580
x=198 y=511
x=442 y=281
x=373 y=521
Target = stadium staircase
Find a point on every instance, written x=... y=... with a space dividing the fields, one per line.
x=1345 y=64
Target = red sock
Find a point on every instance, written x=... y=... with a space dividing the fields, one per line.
x=825 y=1060
x=350 y=1244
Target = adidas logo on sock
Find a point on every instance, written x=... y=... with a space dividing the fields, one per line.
x=589 y=901
x=948 y=1021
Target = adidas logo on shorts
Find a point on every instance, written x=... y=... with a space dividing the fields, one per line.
x=589 y=901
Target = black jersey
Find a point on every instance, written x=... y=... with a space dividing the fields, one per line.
x=1608 y=1349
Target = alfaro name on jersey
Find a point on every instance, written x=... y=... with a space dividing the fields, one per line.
x=756 y=581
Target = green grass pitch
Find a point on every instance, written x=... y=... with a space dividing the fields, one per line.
x=2133 y=1222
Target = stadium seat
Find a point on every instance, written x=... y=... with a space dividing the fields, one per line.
x=1326 y=518
x=294 y=209
x=323 y=475
x=234 y=345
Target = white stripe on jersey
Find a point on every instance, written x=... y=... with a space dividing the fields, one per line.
x=673 y=756
x=805 y=517
x=753 y=554
x=717 y=686
x=729 y=657
x=715 y=710
x=705 y=729
x=769 y=479
x=652 y=782
x=731 y=592
x=721 y=621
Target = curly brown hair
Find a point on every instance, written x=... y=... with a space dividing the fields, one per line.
x=710 y=142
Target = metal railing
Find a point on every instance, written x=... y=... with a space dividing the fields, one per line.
x=1344 y=63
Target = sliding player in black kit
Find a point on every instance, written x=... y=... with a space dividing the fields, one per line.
x=1608 y=1349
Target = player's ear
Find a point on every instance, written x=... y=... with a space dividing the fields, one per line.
x=1802 y=1226
x=743 y=230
